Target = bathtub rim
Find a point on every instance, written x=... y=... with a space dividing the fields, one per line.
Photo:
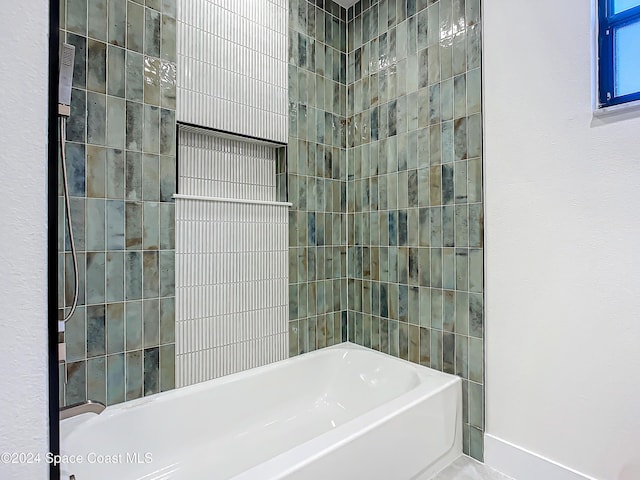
x=71 y=425
x=308 y=451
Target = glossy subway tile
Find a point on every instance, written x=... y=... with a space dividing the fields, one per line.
x=415 y=168
x=124 y=79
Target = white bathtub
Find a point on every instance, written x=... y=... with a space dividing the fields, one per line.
x=344 y=412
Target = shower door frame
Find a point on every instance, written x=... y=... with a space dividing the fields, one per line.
x=52 y=237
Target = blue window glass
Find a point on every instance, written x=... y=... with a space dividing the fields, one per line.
x=626 y=56
x=619 y=51
x=622 y=5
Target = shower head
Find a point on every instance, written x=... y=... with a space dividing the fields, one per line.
x=65 y=79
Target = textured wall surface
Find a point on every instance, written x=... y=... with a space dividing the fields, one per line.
x=233 y=66
x=121 y=162
x=24 y=397
x=415 y=189
x=317 y=175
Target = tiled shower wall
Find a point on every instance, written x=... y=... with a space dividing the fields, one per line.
x=232 y=66
x=415 y=189
x=232 y=77
x=121 y=161
x=404 y=105
x=317 y=178
x=231 y=258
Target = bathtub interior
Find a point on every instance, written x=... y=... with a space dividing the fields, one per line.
x=265 y=411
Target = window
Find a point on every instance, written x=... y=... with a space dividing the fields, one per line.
x=619 y=51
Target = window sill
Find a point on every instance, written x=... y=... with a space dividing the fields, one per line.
x=616 y=110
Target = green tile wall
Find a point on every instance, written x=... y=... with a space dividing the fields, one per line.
x=317 y=177
x=121 y=162
x=414 y=194
x=408 y=133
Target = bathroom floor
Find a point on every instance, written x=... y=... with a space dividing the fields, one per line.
x=466 y=468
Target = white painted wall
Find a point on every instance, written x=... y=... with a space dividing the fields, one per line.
x=23 y=230
x=562 y=245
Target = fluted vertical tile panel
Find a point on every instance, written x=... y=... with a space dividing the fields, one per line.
x=231 y=260
x=232 y=66
x=214 y=166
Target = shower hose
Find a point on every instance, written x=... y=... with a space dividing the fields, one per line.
x=67 y=206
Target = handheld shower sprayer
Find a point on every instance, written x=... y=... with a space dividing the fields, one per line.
x=65 y=79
